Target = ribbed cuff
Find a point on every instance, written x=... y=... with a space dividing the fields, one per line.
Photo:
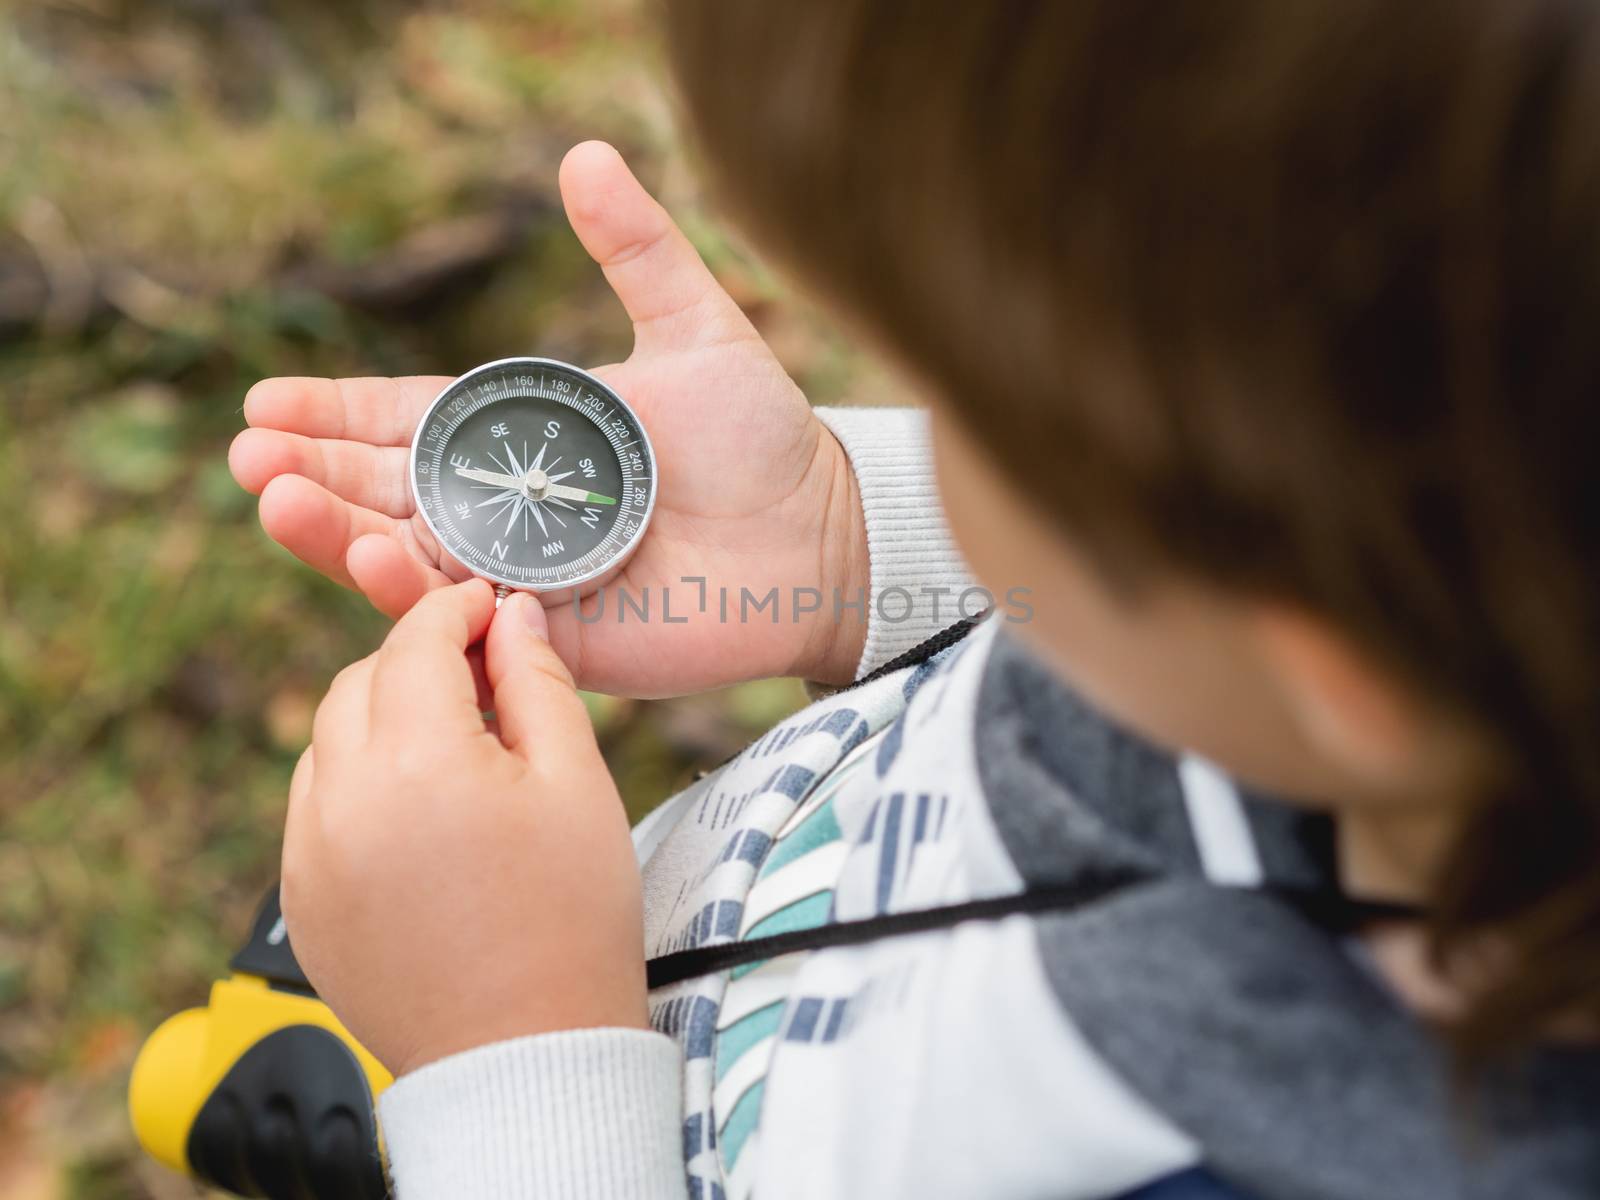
x=917 y=574
x=585 y=1113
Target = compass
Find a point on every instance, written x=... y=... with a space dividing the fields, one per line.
x=534 y=474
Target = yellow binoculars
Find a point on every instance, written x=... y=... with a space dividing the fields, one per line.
x=262 y=1092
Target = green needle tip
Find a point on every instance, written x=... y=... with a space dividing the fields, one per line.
x=594 y=498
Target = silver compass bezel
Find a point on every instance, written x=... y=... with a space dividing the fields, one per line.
x=582 y=585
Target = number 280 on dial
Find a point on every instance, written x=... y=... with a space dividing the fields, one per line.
x=534 y=474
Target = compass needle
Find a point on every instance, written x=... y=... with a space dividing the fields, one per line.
x=543 y=445
x=578 y=494
x=491 y=477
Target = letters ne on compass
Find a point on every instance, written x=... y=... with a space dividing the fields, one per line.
x=522 y=491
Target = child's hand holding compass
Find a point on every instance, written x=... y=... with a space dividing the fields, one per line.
x=748 y=488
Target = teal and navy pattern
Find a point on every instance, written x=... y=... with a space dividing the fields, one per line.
x=730 y=821
x=793 y=890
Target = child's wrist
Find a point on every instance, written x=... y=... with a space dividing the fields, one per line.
x=833 y=647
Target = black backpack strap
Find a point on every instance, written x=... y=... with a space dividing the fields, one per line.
x=672 y=968
x=1328 y=909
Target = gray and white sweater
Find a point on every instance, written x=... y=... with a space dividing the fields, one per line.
x=1188 y=1037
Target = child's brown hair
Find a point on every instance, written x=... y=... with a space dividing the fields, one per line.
x=1298 y=296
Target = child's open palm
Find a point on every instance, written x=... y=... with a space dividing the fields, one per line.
x=753 y=490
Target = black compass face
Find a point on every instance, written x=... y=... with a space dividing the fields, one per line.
x=534 y=474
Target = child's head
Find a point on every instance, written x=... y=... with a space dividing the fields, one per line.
x=1263 y=338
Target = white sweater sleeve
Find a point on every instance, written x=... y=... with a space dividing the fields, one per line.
x=586 y=1113
x=918 y=576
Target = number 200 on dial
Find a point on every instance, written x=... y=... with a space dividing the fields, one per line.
x=534 y=474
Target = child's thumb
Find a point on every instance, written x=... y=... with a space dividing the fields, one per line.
x=536 y=702
x=670 y=295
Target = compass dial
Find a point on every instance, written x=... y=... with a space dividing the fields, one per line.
x=534 y=474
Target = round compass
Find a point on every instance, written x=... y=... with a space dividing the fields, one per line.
x=534 y=474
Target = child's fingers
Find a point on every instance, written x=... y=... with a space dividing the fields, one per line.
x=382 y=412
x=297 y=829
x=422 y=683
x=315 y=525
x=669 y=294
x=373 y=477
x=535 y=700
x=304 y=773
x=299 y=788
x=343 y=718
x=480 y=678
x=567 y=635
x=392 y=579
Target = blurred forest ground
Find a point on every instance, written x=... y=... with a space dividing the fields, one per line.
x=194 y=195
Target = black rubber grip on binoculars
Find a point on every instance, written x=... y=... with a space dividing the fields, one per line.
x=291 y=1120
